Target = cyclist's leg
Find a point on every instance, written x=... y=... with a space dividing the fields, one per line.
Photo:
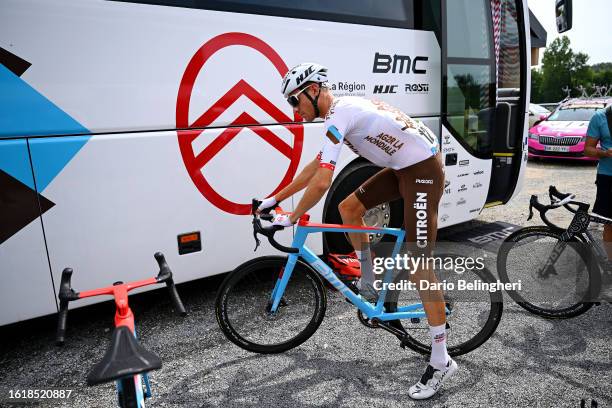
x=603 y=207
x=380 y=188
x=607 y=238
x=421 y=186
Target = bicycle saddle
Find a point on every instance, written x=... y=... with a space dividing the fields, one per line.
x=123 y=358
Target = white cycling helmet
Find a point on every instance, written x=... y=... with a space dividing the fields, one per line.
x=301 y=74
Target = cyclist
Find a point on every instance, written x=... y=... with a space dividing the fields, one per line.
x=409 y=153
x=599 y=131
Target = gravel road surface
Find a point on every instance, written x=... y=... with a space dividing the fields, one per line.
x=529 y=361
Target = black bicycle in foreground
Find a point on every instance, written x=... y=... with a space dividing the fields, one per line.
x=560 y=270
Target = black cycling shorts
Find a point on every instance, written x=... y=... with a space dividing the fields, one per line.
x=421 y=186
x=603 y=200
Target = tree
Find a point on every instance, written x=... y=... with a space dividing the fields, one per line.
x=536 y=86
x=562 y=67
x=602 y=66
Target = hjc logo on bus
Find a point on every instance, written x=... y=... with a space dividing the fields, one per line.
x=190 y=131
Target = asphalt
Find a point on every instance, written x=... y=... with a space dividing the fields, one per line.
x=528 y=362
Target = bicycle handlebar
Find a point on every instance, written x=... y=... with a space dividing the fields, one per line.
x=165 y=275
x=267 y=231
x=554 y=193
x=67 y=294
x=557 y=199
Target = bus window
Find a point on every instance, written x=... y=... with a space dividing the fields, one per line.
x=468 y=102
x=509 y=71
x=385 y=10
x=470 y=80
x=413 y=14
x=468 y=27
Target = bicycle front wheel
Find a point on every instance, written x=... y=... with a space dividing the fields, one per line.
x=127 y=393
x=558 y=279
x=473 y=312
x=243 y=306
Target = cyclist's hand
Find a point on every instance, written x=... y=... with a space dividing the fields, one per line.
x=267 y=203
x=283 y=220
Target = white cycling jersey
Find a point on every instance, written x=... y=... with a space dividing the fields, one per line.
x=376 y=131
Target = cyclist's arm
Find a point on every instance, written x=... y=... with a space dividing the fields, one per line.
x=322 y=179
x=326 y=159
x=591 y=150
x=593 y=136
x=300 y=182
x=317 y=187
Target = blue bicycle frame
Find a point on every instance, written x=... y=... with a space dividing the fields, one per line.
x=368 y=309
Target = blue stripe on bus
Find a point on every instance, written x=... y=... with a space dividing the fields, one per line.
x=26 y=112
x=15 y=161
x=51 y=155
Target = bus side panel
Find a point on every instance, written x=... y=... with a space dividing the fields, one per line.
x=27 y=290
x=128 y=67
x=466 y=183
x=123 y=197
x=124 y=66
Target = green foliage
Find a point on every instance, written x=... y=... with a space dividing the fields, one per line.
x=562 y=67
x=536 y=85
x=602 y=66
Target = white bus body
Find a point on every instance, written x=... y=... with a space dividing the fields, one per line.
x=124 y=125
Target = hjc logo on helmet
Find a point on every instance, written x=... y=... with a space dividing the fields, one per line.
x=304 y=75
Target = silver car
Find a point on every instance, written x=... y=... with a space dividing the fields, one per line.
x=535 y=113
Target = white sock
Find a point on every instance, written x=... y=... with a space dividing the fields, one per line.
x=365 y=260
x=439 y=356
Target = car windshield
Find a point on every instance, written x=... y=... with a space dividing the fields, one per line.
x=573 y=113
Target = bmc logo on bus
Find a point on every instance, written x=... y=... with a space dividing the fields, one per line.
x=191 y=130
x=398 y=63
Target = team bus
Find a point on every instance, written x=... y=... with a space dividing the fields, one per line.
x=130 y=127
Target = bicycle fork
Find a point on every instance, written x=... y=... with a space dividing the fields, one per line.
x=276 y=298
x=549 y=267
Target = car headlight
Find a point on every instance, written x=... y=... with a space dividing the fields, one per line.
x=533 y=136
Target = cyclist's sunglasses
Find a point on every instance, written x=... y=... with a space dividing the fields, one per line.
x=293 y=100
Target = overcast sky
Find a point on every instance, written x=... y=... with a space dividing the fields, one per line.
x=591 y=31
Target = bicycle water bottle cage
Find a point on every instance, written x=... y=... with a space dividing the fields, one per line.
x=124 y=358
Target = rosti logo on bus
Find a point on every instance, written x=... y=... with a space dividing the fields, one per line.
x=196 y=162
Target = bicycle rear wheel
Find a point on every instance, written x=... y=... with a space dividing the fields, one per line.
x=242 y=306
x=473 y=318
x=566 y=290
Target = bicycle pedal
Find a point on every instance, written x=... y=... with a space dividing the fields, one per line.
x=415 y=320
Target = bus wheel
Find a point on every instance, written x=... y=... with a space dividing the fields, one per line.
x=386 y=215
